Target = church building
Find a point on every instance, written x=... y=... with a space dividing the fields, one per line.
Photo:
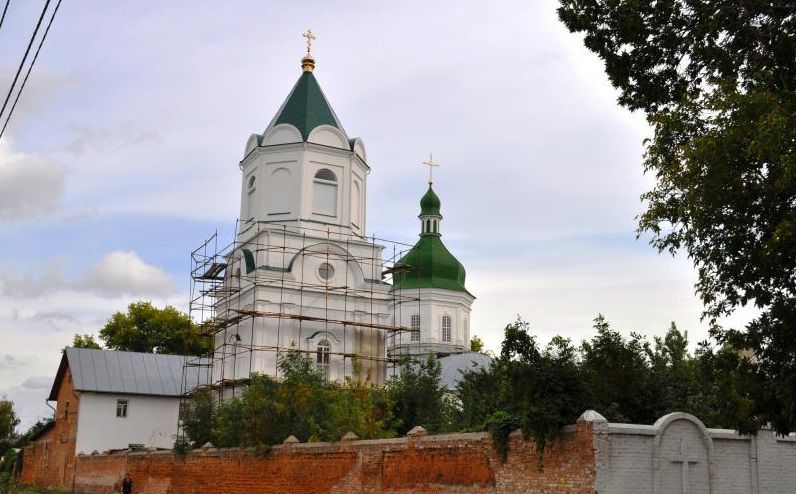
x=303 y=274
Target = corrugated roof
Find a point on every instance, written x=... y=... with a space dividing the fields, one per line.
x=109 y=371
x=452 y=367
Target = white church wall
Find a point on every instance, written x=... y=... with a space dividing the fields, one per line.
x=251 y=144
x=432 y=305
x=328 y=135
x=292 y=284
x=281 y=134
x=359 y=149
x=150 y=420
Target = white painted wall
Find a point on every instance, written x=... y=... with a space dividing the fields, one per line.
x=151 y=421
x=284 y=169
x=647 y=459
x=432 y=304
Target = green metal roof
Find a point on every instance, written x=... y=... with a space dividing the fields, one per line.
x=306 y=108
x=430 y=203
x=429 y=264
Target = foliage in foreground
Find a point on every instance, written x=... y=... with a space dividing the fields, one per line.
x=717 y=81
x=302 y=404
x=535 y=388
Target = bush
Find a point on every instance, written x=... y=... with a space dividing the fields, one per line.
x=500 y=425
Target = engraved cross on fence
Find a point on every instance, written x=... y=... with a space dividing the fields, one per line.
x=686 y=461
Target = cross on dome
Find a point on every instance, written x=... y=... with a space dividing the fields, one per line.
x=431 y=165
x=309 y=37
x=308 y=62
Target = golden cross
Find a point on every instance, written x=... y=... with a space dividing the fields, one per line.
x=431 y=165
x=309 y=37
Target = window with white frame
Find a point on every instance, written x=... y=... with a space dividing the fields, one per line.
x=324 y=193
x=322 y=357
x=414 y=324
x=447 y=328
x=121 y=408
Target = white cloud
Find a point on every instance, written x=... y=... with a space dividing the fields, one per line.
x=9 y=362
x=119 y=273
x=124 y=273
x=30 y=186
x=43 y=280
x=89 y=139
x=38 y=382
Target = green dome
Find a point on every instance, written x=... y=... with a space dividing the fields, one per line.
x=430 y=203
x=429 y=265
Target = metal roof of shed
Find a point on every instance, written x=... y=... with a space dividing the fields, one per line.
x=109 y=371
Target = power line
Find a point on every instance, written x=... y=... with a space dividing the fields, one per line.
x=22 y=63
x=35 y=56
x=5 y=9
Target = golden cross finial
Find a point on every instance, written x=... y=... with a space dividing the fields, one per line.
x=431 y=165
x=309 y=37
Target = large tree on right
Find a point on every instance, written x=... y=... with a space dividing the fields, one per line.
x=716 y=81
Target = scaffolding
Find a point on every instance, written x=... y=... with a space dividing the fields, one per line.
x=255 y=294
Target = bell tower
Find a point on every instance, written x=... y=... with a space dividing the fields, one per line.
x=304 y=171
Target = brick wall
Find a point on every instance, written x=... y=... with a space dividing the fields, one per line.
x=51 y=459
x=439 y=464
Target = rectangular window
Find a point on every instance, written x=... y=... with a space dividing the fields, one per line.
x=415 y=326
x=322 y=358
x=446 y=328
x=121 y=408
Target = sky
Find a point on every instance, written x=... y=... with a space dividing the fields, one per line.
x=123 y=155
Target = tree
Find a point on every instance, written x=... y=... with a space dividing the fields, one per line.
x=85 y=341
x=199 y=418
x=8 y=424
x=418 y=398
x=145 y=328
x=617 y=375
x=542 y=388
x=717 y=81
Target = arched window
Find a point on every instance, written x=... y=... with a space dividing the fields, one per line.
x=446 y=328
x=428 y=226
x=322 y=357
x=324 y=193
x=326 y=174
x=415 y=327
x=251 y=183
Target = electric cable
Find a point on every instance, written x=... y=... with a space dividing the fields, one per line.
x=22 y=63
x=3 y=17
x=27 y=74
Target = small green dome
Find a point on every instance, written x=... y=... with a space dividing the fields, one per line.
x=430 y=203
x=429 y=264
